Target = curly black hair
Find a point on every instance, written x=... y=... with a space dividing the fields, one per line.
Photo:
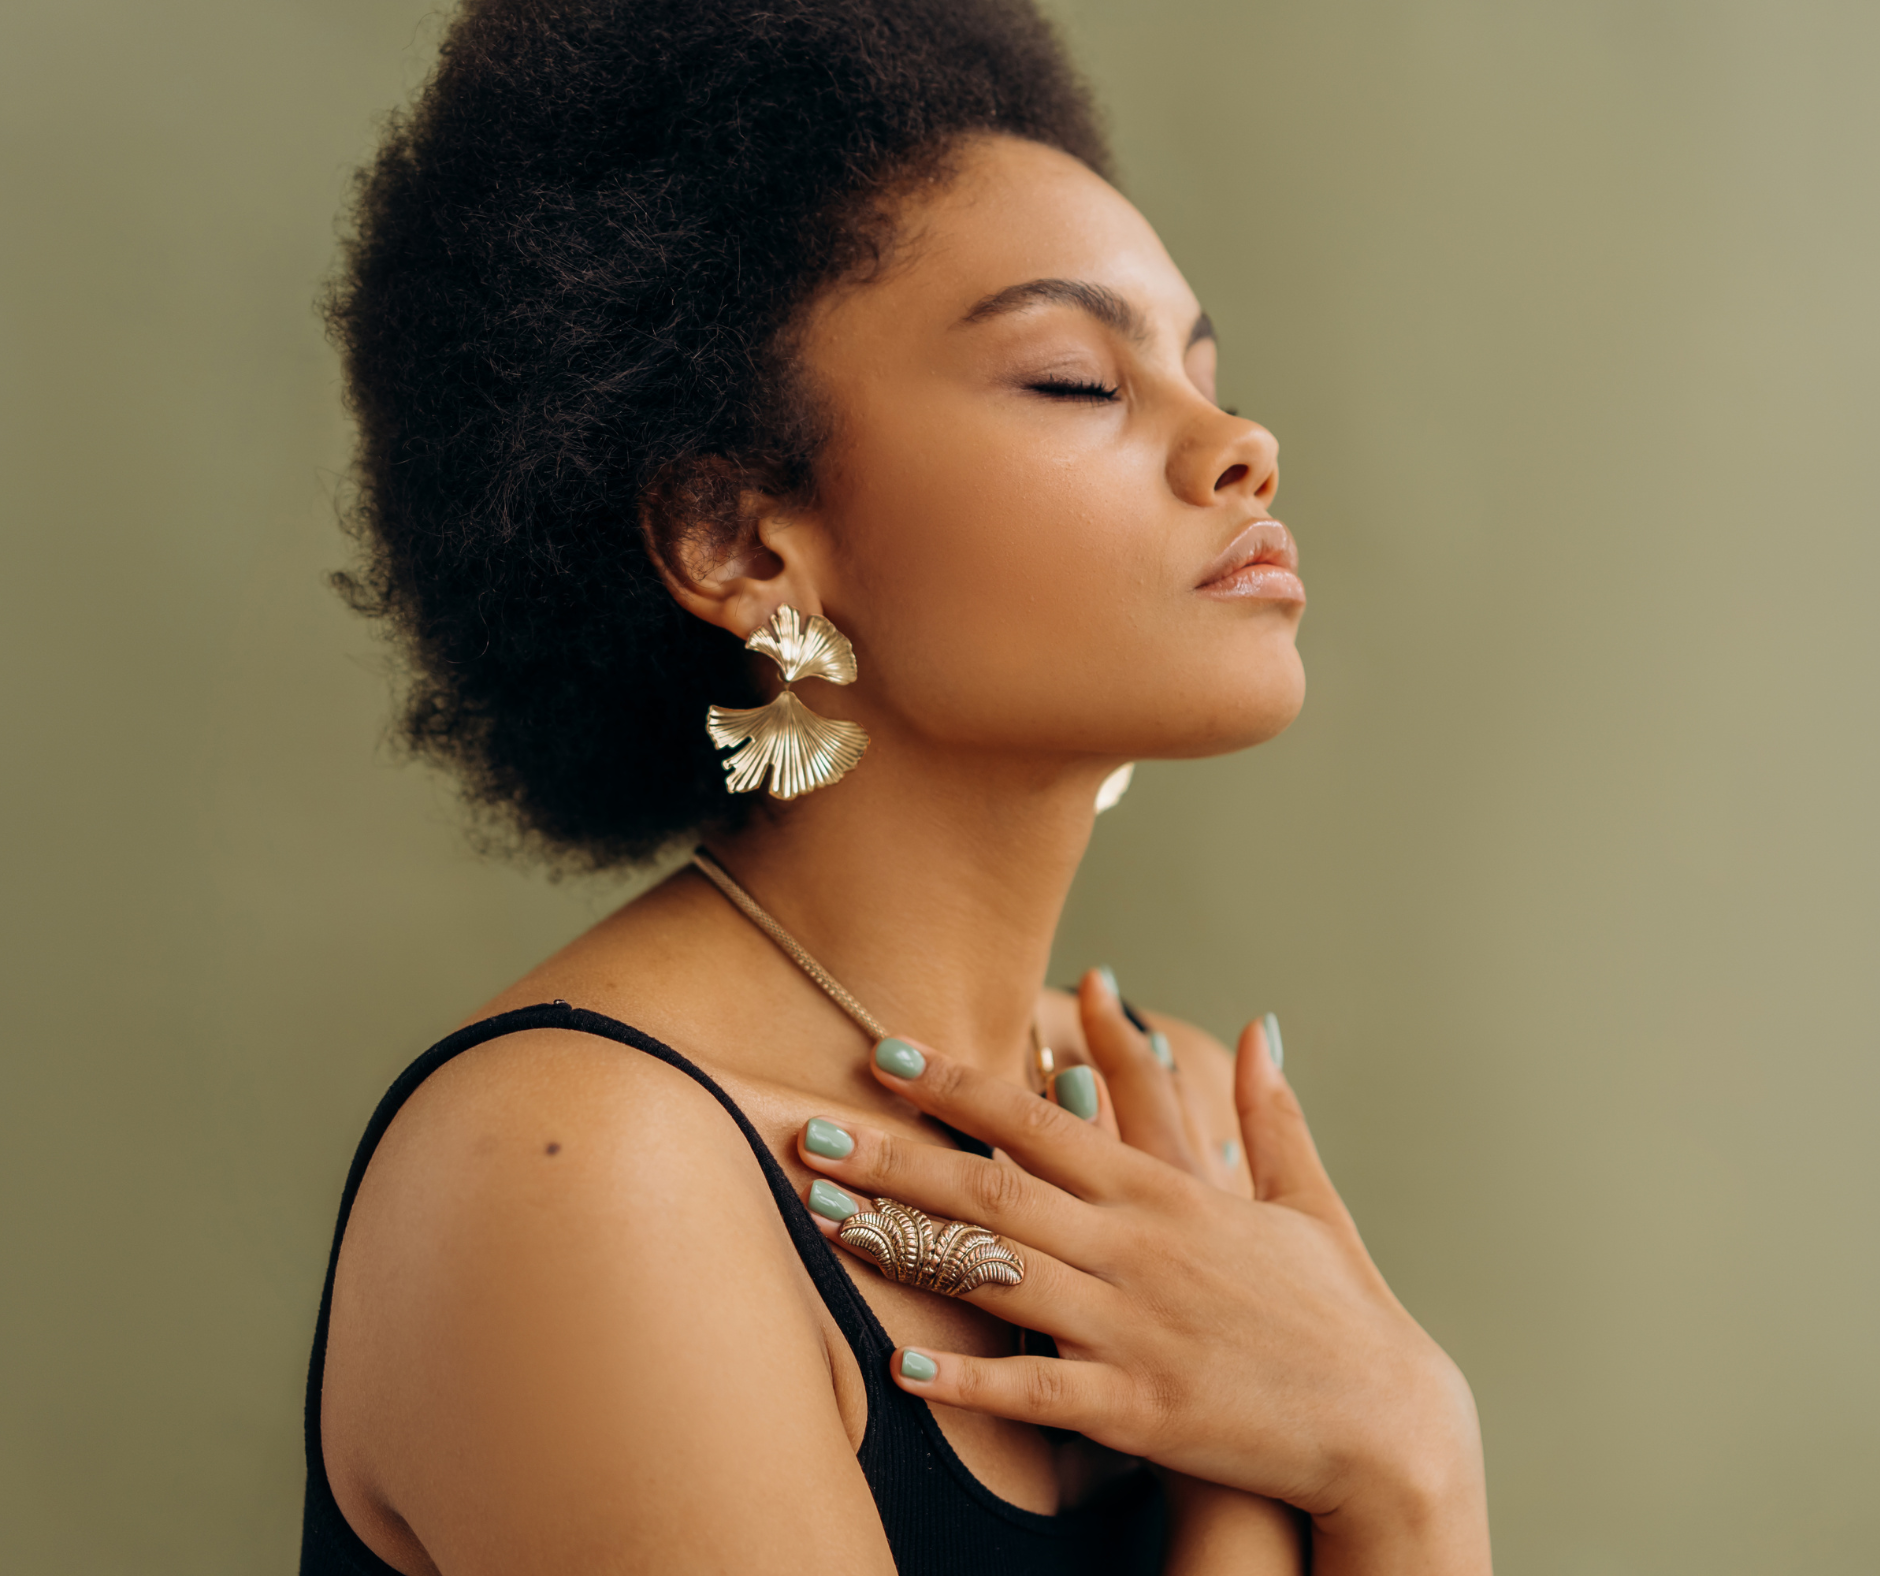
x=567 y=300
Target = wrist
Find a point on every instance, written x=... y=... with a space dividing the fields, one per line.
x=1418 y=1504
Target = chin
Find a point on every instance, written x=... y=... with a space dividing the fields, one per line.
x=1245 y=715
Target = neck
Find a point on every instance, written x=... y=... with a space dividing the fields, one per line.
x=930 y=887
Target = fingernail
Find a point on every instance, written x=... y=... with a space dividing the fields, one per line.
x=899 y=1058
x=1076 y=1090
x=831 y=1202
x=1275 y=1048
x=1230 y=1152
x=1158 y=1042
x=1109 y=981
x=917 y=1367
x=823 y=1137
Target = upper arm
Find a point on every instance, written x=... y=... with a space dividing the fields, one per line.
x=570 y=1334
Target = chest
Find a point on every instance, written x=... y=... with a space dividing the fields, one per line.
x=1016 y=1461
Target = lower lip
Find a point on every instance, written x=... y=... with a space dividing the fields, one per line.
x=1258 y=583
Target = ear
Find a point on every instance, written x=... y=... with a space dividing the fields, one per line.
x=730 y=553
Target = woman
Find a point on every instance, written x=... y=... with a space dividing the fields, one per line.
x=787 y=380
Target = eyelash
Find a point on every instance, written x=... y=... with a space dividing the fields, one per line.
x=1073 y=390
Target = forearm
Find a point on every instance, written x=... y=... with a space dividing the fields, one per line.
x=1215 y=1531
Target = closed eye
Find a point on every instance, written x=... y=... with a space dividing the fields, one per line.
x=1063 y=388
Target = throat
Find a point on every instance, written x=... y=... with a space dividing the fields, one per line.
x=933 y=922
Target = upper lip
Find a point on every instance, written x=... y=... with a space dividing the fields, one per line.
x=1259 y=542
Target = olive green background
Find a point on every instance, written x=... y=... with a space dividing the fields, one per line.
x=1563 y=885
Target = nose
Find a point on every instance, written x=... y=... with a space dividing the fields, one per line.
x=1225 y=458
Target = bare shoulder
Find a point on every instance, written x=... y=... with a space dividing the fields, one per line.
x=539 y=1139
x=557 y=1107
x=565 y=1306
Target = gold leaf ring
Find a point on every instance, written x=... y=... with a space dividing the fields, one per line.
x=909 y=1246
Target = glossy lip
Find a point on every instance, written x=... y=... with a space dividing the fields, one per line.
x=1260 y=564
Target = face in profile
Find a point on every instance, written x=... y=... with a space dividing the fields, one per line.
x=1040 y=530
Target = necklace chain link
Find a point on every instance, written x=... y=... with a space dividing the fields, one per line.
x=800 y=955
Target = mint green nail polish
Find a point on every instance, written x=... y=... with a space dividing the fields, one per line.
x=1230 y=1152
x=1109 y=981
x=918 y=1368
x=831 y=1202
x=823 y=1137
x=1274 y=1047
x=899 y=1058
x=1158 y=1042
x=1076 y=1089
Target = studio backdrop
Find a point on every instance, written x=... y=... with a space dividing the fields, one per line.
x=1564 y=884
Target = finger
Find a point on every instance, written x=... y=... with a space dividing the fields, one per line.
x=1052 y=1297
x=1197 y=1122
x=1284 y=1160
x=1236 y=1170
x=1148 y=1109
x=996 y=1194
x=1043 y=1136
x=1094 y=1399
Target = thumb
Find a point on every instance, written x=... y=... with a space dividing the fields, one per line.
x=1285 y=1162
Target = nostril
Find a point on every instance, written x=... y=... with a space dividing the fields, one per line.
x=1230 y=476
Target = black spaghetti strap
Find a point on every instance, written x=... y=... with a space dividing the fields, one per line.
x=939 y=1519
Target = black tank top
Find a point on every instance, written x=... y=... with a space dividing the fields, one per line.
x=939 y=1519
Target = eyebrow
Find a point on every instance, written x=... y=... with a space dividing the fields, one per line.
x=1101 y=302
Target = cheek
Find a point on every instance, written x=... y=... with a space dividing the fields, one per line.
x=1014 y=588
x=980 y=555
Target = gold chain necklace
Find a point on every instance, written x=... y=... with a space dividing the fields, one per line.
x=831 y=987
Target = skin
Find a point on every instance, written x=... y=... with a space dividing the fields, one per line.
x=1022 y=522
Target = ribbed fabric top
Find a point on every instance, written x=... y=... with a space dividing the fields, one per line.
x=939 y=1519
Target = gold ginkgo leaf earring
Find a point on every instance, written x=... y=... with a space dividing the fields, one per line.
x=800 y=750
